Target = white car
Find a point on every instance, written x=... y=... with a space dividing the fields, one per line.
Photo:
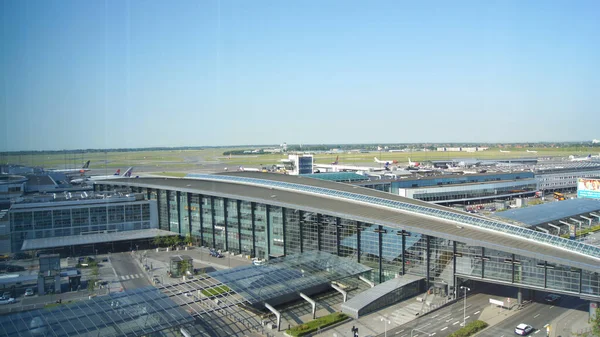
x=7 y=301
x=523 y=329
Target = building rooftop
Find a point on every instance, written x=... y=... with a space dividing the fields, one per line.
x=337 y=176
x=288 y=275
x=371 y=206
x=136 y=312
x=552 y=211
x=69 y=198
x=88 y=239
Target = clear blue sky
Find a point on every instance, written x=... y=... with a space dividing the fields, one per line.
x=104 y=74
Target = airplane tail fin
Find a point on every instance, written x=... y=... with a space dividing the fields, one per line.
x=87 y=164
x=376 y=160
x=336 y=160
x=128 y=172
x=118 y=173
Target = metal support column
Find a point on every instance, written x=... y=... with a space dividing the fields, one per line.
x=454 y=256
x=189 y=211
x=253 y=211
x=200 y=204
x=168 y=224
x=358 y=241
x=239 y=224
x=301 y=224
x=319 y=227
x=404 y=235
x=380 y=232
x=338 y=226
x=178 y=200
x=428 y=261
x=284 y=228
x=482 y=261
x=212 y=219
x=226 y=224
x=268 y=230
x=545 y=273
x=512 y=262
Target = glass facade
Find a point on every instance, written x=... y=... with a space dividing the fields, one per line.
x=266 y=231
x=76 y=219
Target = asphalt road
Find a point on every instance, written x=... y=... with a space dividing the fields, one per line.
x=444 y=321
x=130 y=274
x=537 y=314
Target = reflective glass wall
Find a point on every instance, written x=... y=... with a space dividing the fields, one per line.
x=265 y=231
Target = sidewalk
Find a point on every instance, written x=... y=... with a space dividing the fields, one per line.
x=158 y=262
x=571 y=323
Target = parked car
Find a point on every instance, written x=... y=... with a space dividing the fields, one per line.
x=6 y=295
x=9 y=300
x=21 y=256
x=523 y=329
x=551 y=298
x=215 y=253
x=29 y=292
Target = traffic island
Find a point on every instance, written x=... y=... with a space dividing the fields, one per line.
x=316 y=325
x=470 y=329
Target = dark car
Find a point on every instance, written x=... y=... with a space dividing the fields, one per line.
x=552 y=298
x=21 y=256
x=215 y=253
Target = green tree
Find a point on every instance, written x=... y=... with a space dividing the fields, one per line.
x=182 y=267
x=174 y=241
x=91 y=286
x=595 y=322
x=188 y=239
x=158 y=240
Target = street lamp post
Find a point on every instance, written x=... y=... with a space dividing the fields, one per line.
x=385 y=324
x=465 y=289
x=417 y=330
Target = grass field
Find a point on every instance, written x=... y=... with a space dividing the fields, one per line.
x=188 y=160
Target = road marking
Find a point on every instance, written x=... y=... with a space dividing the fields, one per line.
x=536 y=316
x=467 y=317
x=537 y=331
x=545 y=326
x=400 y=331
x=476 y=312
x=433 y=334
x=551 y=307
x=426 y=324
x=444 y=328
x=434 y=316
x=455 y=322
x=448 y=320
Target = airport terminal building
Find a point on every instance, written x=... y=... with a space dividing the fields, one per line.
x=453 y=189
x=270 y=215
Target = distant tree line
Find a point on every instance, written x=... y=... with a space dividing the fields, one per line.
x=243 y=152
x=313 y=147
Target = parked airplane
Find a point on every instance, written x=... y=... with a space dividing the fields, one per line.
x=504 y=151
x=531 y=151
x=385 y=162
x=117 y=174
x=573 y=158
x=83 y=169
x=413 y=164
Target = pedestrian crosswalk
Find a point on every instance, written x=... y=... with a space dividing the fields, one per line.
x=130 y=277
